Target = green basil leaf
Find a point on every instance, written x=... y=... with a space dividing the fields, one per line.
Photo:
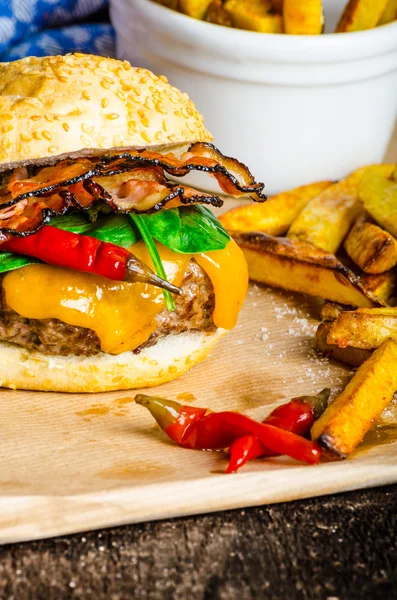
x=188 y=229
x=75 y=222
x=10 y=261
x=117 y=229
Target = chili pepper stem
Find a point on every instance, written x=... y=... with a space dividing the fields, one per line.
x=138 y=271
x=165 y=412
x=318 y=403
x=154 y=255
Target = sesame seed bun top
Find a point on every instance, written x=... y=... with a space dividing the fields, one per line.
x=83 y=104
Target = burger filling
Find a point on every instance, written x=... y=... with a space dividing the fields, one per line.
x=65 y=294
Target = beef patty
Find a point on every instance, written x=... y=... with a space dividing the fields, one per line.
x=193 y=312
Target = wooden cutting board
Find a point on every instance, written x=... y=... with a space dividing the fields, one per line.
x=76 y=462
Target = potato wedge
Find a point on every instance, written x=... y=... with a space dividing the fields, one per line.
x=379 y=195
x=363 y=328
x=194 y=8
x=331 y=311
x=254 y=15
x=349 y=355
x=217 y=14
x=300 y=267
x=380 y=288
x=326 y=220
x=372 y=248
x=390 y=13
x=361 y=14
x=303 y=18
x=344 y=423
x=276 y=214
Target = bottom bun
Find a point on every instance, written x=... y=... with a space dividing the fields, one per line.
x=172 y=356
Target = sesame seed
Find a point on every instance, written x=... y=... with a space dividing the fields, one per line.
x=136 y=90
x=37 y=135
x=47 y=135
x=178 y=113
x=108 y=80
x=145 y=136
x=85 y=140
x=105 y=85
x=35 y=117
x=145 y=121
x=74 y=113
x=105 y=102
x=161 y=108
x=53 y=149
x=165 y=125
x=7 y=128
x=132 y=125
x=120 y=95
x=172 y=137
x=163 y=78
x=25 y=137
x=65 y=126
x=112 y=116
x=85 y=95
x=159 y=136
x=62 y=78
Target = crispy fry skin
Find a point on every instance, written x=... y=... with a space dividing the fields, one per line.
x=361 y=14
x=254 y=15
x=326 y=220
x=390 y=13
x=303 y=18
x=217 y=14
x=380 y=288
x=379 y=196
x=371 y=247
x=363 y=328
x=331 y=310
x=276 y=214
x=344 y=423
x=194 y=8
x=350 y=356
x=300 y=267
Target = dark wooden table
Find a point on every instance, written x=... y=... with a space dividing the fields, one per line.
x=337 y=547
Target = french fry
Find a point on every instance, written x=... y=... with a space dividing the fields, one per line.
x=390 y=13
x=276 y=214
x=300 y=267
x=194 y=8
x=303 y=18
x=344 y=423
x=380 y=288
x=254 y=15
x=371 y=248
x=361 y=14
x=349 y=355
x=217 y=14
x=327 y=218
x=331 y=311
x=379 y=196
x=363 y=328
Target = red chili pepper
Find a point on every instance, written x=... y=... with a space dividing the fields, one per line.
x=83 y=253
x=296 y=416
x=218 y=430
x=174 y=419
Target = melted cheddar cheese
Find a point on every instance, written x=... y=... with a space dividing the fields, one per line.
x=122 y=314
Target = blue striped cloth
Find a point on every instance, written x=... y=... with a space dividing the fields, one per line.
x=41 y=27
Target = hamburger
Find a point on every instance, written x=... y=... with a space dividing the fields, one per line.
x=115 y=274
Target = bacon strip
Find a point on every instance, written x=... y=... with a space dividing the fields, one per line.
x=127 y=182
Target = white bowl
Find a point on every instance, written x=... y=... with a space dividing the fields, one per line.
x=294 y=108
